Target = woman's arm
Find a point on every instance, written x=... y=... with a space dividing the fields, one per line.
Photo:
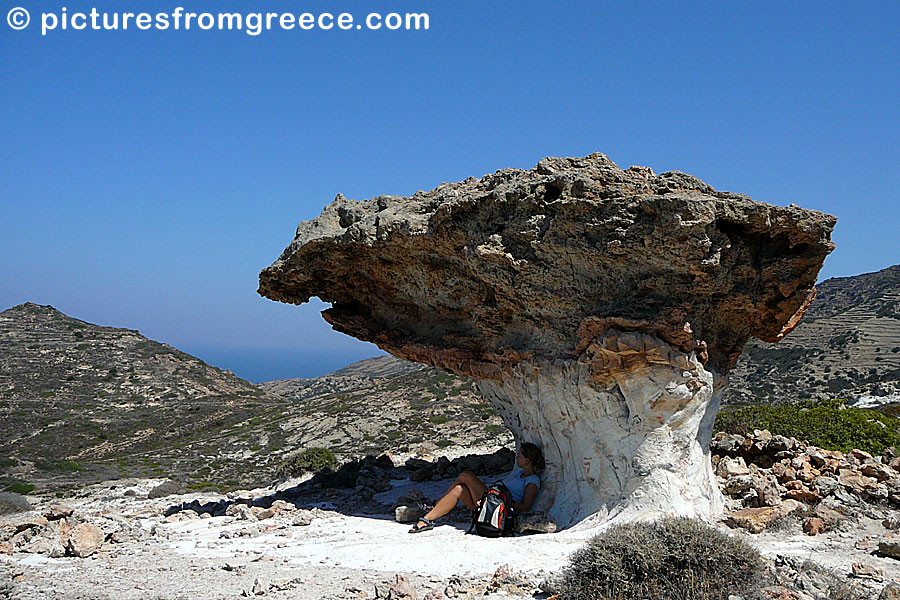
x=528 y=497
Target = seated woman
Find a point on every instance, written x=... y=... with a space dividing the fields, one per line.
x=523 y=484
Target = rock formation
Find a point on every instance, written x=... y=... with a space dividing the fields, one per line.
x=600 y=309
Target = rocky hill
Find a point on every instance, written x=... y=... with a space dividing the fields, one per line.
x=386 y=403
x=847 y=346
x=81 y=402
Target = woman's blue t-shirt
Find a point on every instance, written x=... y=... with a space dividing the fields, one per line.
x=516 y=483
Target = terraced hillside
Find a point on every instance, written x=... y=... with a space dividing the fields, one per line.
x=80 y=402
x=847 y=346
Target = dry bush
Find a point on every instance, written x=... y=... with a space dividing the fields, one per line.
x=11 y=503
x=674 y=558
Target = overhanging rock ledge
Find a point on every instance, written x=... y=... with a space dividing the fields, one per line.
x=600 y=310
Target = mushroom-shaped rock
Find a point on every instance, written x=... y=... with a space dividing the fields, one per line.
x=600 y=310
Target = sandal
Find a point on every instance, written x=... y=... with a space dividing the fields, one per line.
x=429 y=524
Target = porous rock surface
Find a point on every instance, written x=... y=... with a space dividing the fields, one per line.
x=599 y=308
x=509 y=266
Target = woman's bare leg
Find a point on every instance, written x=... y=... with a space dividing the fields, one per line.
x=467 y=489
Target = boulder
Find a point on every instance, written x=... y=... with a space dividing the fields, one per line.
x=854 y=482
x=861 y=455
x=753 y=520
x=408 y=514
x=535 y=522
x=599 y=310
x=166 y=488
x=738 y=484
x=878 y=471
x=813 y=526
x=889 y=546
x=732 y=467
x=84 y=540
x=241 y=512
x=865 y=571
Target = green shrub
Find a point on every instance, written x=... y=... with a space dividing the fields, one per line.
x=16 y=486
x=438 y=419
x=675 y=558
x=59 y=465
x=309 y=461
x=828 y=424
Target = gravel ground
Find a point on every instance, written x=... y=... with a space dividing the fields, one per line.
x=342 y=553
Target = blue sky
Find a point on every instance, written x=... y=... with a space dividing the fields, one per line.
x=147 y=176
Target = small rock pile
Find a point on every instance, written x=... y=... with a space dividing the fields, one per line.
x=771 y=476
x=59 y=532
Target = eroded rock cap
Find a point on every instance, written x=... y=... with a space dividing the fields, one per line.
x=516 y=265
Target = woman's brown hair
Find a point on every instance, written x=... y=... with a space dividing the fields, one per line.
x=533 y=453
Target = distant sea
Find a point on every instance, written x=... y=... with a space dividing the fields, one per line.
x=264 y=364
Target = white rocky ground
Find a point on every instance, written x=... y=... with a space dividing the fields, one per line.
x=341 y=556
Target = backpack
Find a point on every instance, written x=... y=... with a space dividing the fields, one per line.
x=494 y=514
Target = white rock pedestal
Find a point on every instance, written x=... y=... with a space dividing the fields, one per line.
x=625 y=430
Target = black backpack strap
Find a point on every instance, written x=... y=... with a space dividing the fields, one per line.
x=475 y=513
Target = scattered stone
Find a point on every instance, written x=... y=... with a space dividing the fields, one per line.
x=260 y=587
x=242 y=512
x=860 y=455
x=457 y=587
x=738 y=484
x=864 y=571
x=813 y=526
x=830 y=518
x=408 y=514
x=55 y=512
x=803 y=495
x=535 y=522
x=303 y=518
x=732 y=467
x=184 y=515
x=753 y=520
x=878 y=471
x=889 y=547
x=402 y=589
x=777 y=592
x=166 y=488
x=506 y=580
x=892 y=522
x=890 y=592
x=85 y=540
